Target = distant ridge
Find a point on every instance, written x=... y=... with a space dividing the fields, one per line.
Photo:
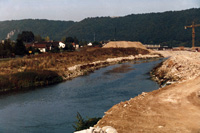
x=166 y=28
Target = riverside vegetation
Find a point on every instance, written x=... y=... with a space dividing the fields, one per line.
x=84 y=124
x=50 y=68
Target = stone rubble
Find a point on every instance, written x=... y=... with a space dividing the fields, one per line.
x=182 y=66
x=81 y=69
x=106 y=129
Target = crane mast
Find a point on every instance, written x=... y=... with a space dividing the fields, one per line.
x=193 y=32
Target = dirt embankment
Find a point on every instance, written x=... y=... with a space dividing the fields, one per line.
x=172 y=109
x=82 y=69
x=181 y=66
x=124 y=44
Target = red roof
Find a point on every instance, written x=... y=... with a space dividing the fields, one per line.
x=29 y=45
x=40 y=45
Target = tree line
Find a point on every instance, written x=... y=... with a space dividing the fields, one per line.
x=9 y=48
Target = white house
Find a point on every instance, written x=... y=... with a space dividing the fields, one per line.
x=90 y=44
x=61 y=45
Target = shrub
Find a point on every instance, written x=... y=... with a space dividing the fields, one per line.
x=82 y=124
x=28 y=79
x=5 y=83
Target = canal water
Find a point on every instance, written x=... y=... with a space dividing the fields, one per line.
x=53 y=109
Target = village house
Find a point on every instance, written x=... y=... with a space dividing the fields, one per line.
x=45 y=46
x=89 y=44
x=61 y=45
x=76 y=46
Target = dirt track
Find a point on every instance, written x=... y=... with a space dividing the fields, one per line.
x=175 y=108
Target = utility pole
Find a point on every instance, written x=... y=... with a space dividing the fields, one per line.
x=94 y=37
x=115 y=35
x=193 y=32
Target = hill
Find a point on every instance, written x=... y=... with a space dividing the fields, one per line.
x=152 y=28
x=53 y=29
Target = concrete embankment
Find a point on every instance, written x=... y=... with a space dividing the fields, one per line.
x=174 y=108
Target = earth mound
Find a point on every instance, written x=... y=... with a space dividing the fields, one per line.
x=124 y=44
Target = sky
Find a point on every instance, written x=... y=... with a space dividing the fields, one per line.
x=77 y=10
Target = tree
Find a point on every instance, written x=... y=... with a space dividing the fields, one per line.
x=68 y=43
x=83 y=43
x=69 y=47
x=20 y=48
x=55 y=49
x=26 y=36
x=1 y=50
x=63 y=39
x=47 y=38
x=69 y=40
x=76 y=40
x=38 y=38
x=6 y=49
x=8 y=45
x=98 y=44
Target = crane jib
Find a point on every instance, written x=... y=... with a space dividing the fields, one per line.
x=193 y=32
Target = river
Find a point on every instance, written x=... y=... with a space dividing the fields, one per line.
x=53 y=109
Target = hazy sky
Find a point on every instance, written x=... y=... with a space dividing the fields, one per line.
x=77 y=10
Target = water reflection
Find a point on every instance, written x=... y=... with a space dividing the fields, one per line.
x=124 y=68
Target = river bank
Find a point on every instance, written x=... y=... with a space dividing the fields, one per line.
x=174 y=108
x=53 y=108
x=82 y=69
x=47 y=69
x=180 y=67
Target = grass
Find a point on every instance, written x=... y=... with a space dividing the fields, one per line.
x=48 y=68
x=28 y=79
x=61 y=61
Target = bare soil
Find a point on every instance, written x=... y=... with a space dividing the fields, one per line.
x=124 y=44
x=172 y=109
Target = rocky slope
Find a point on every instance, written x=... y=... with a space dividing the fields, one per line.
x=181 y=66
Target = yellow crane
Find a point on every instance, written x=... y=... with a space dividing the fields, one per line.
x=193 y=32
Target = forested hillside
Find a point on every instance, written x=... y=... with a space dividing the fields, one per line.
x=53 y=29
x=152 y=28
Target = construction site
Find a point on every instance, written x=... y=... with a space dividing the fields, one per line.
x=174 y=107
